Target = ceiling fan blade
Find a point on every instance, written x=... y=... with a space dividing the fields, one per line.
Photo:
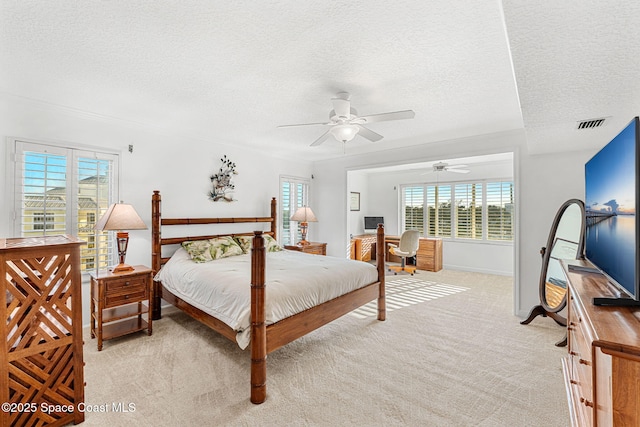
x=369 y=134
x=382 y=117
x=322 y=139
x=457 y=170
x=342 y=107
x=305 y=124
x=458 y=166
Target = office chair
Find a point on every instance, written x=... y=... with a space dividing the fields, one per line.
x=409 y=242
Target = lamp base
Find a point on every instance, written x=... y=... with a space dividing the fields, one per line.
x=122 y=267
x=303 y=242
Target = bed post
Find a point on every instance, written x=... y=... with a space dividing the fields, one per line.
x=380 y=257
x=258 y=327
x=156 y=251
x=274 y=217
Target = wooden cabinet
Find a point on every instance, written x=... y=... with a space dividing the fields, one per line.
x=429 y=255
x=315 y=248
x=119 y=301
x=602 y=368
x=41 y=361
x=363 y=247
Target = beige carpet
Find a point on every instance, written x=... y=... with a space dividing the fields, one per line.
x=451 y=353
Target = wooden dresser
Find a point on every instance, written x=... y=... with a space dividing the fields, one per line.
x=41 y=363
x=602 y=368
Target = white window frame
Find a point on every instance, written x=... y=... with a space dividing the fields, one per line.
x=15 y=148
x=485 y=214
x=293 y=237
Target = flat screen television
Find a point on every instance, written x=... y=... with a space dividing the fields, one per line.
x=371 y=223
x=611 y=202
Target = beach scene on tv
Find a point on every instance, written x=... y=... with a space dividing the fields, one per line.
x=610 y=203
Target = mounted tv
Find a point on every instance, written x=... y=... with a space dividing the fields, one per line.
x=611 y=202
x=371 y=223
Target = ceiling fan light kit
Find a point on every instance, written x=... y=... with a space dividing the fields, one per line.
x=346 y=124
x=345 y=132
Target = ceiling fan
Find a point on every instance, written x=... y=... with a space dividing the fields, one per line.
x=346 y=124
x=445 y=167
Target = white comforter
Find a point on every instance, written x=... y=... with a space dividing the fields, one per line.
x=295 y=281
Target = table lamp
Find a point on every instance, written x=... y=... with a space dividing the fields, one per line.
x=304 y=216
x=121 y=216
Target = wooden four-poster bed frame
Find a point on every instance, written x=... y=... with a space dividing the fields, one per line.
x=264 y=338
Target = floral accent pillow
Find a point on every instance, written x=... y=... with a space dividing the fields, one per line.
x=223 y=247
x=198 y=250
x=209 y=250
x=270 y=243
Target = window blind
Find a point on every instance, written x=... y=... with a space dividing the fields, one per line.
x=413 y=202
x=500 y=210
x=468 y=210
x=294 y=193
x=62 y=190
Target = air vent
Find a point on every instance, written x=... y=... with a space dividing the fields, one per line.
x=591 y=123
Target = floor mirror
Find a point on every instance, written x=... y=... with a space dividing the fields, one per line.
x=566 y=241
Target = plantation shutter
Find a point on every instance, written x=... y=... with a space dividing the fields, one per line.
x=95 y=192
x=500 y=205
x=294 y=193
x=413 y=212
x=59 y=190
x=468 y=197
x=439 y=210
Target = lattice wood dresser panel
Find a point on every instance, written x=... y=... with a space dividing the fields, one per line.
x=41 y=365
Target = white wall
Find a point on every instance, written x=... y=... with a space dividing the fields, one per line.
x=158 y=162
x=358 y=183
x=546 y=182
x=542 y=182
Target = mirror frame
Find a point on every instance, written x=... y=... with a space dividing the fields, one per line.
x=546 y=254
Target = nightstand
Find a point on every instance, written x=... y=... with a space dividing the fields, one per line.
x=119 y=301
x=312 y=248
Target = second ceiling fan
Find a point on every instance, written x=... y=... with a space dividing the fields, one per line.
x=345 y=123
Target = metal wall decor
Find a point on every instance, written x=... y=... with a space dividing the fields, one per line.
x=221 y=184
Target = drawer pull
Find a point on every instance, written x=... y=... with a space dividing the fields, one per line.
x=127 y=297
x=127 y=283
x=584 y=362
x=586 y=402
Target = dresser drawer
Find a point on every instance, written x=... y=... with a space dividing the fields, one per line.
x=134 y=294
x=316 y=250
x=127 y=284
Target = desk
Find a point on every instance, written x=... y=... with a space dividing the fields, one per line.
x=428 y=257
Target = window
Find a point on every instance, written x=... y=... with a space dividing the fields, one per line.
x=43 y=221
x=413 y=208
x=61 y=190
x=294 y=193
x=439 y=210
x=466 y=210
x=500 y=210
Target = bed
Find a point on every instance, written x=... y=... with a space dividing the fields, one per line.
x=263 y=325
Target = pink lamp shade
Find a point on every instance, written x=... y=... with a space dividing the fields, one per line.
x=121 y=216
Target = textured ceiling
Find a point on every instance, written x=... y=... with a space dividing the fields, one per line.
x=574 y=60
x=232 y=71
